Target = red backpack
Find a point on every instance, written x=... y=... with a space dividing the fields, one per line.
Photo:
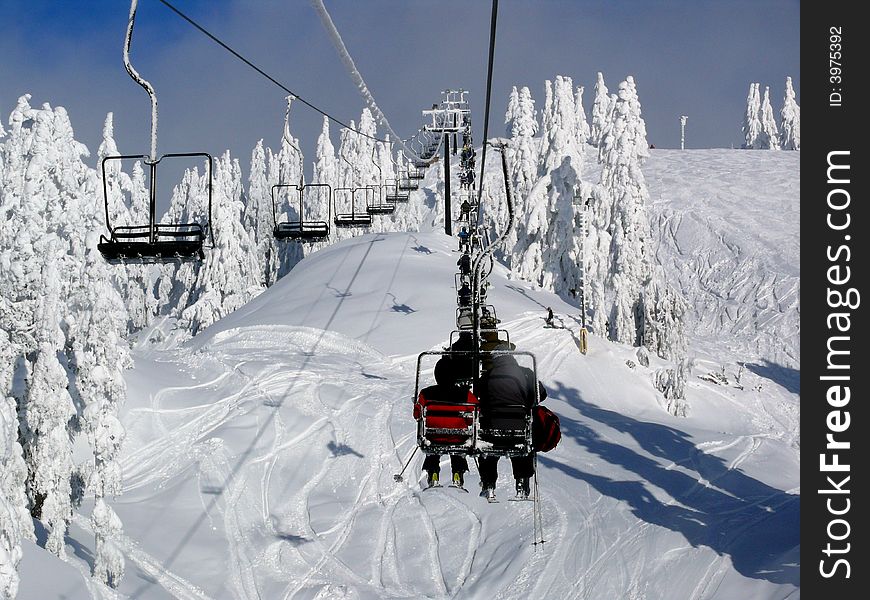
x=546 y=432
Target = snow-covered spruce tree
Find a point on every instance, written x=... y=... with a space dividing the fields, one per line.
x=547 y=113
x=15 y=523
x=752 y=118
x=258 y=216
x=230 y=275
x=635 y=307
x=100 y=355
x=324 y=171
x=546 y=249
x=583 y=131
x=512 y=113
x=769 y=137
x=560 y=139
x=790 y=118
x=601 y=107
x=46 y=412
x=523 y=164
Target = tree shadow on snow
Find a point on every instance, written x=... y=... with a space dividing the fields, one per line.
x=758 y=526
x=787 y=377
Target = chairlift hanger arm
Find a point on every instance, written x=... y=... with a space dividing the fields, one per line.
x=134 y=74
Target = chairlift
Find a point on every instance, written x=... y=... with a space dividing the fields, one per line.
x=466 y=428
x=354 y=218
x=393 y=193
x=300 y=229
x=377 y=203
x=153 y=241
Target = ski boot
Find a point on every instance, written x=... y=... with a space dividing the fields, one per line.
x=458 y=480
x=523 y=490
x=432 y=479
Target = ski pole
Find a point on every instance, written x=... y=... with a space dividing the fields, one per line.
x=398 y=476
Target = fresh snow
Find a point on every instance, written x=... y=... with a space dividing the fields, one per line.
x=260 y=456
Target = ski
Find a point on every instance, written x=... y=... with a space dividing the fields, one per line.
x=518 y=499
x=458 y=487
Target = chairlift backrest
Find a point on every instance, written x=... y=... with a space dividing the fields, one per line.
x=154 y=241
x=300 y=228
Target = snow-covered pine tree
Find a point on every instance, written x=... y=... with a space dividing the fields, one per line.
x=583 y=131
x=546 y=248
x=769 y=137
x=523 y=165
x=325 y=171
x=364 y=146
x=547 y=114
x=100 y=354
x=230 y=275
x=790 y=118
x=258 y=216
x=560 y=130
x=632 y=306
x=46 y=412
x=752 y=118
x=601 y=107
x=512 y=112
x=15 y=522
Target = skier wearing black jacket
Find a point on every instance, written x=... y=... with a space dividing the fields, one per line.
x=507 y=394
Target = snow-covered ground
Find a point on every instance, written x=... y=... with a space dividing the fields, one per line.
x=260 y=454
x=728 y=226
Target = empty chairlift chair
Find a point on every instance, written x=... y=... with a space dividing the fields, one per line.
x=344 y=199
x=377 y=202
x=154 y=242
x=300 y=228
x=393 y=193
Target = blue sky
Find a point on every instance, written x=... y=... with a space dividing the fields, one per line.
x=688 y=57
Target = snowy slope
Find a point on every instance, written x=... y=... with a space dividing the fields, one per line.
x=260 y=456
x=728 y=223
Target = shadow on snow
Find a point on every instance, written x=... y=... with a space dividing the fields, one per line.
x=758 y=526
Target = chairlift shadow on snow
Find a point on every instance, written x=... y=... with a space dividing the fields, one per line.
x=757 y=525
x=338 y=449
x=338 y=293
x=400 y=308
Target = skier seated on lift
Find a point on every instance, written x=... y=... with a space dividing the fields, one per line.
x=506 y=394
x=464 y=209
x=445 y=391
x=549 y=320
x=464 y=264
x=464 y=294
x=463 y=237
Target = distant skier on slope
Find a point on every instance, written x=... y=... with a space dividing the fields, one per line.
x=506 y=394
x=445 y=391
x=549 y=320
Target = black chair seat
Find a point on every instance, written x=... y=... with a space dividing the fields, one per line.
x=355 y=220
x=381 y=209
x=296 y=230
x=148 y=252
